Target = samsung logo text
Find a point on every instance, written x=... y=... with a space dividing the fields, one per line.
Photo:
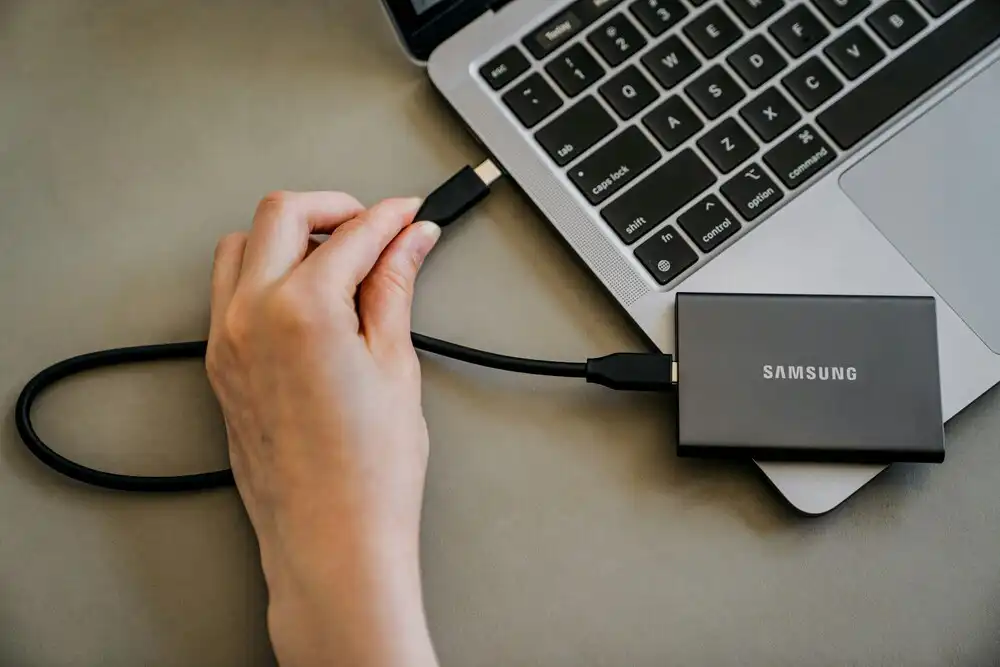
x=811 y=373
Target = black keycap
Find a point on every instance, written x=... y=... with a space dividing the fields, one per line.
x=671 y=62
x=532 y=100
x=697 y=3
x=799 y=30
x=673 y=122
x=755 y=12
x=555 y=33
x=613 y=165
x=709 y=223
x=896 y=22
x=712 y=31
x=658 y=196
x=566 y=25
x=574 y=69
x=757 y=61
x=841 y=11
x=715 y=92
x=576 y=130
x=812 y=83
x=727 y=145
x=915 y=71
x=658 y=16
x=770 y=114
x=617 y=39
x=854 y=53
x=629 y=92
x=504 y=68
x=938 y=7
x=666 y=255
x=800 y=157
x=752 y=192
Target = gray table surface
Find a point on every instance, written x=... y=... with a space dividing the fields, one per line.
x=559 y=527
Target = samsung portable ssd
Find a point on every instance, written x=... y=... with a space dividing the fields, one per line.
x=844 y=378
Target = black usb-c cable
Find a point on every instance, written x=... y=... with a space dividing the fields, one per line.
x=459 y=194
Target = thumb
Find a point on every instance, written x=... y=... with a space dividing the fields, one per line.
x=385 y=298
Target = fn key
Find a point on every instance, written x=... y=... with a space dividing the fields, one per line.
x=666 y=255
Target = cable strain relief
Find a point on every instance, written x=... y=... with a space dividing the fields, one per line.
x=631 y=371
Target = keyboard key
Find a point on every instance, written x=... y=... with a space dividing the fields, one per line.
x=799 y=30
x=504 y=68
x=755 y=12
x=697 y=3
x=666 y=255
x=770 y=114
x=800 y=157
x=855 y=53
x=658 y=16
x=812 y=83
x=841 y=11
x=715 y=92
x=727 y=145
x=896 y=22
x=938 y=7
x=712 y=31
x=608 y=169
x=915 y=71
x=629 y=92
x=532 y=100
x=671 y=62
x=576 y=130
x=757 y=61
x=655 y=198
x=566 y=25
x=752 y=192
x=673 y=122
x=617 y=39
x=555 y=33
x=575 y=69
x=709 y=223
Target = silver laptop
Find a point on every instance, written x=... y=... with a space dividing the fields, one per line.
x=814 y=146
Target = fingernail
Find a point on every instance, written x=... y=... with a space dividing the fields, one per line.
x=413 y=202
x=428 y=234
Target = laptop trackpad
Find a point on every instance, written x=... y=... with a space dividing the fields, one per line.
x=933 y=190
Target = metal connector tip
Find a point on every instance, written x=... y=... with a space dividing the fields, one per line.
x=488 y=172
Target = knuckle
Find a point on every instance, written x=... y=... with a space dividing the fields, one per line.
x=276 y=202
x=228 y=243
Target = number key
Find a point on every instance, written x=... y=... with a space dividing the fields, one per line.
x=532 y=100
x=617 y=39
x=575 y=69
x=659 y=15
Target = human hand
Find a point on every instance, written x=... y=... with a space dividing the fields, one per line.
x=310 y=357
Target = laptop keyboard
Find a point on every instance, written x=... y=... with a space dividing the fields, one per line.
x=683 y=121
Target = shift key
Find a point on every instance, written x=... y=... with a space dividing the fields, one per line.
x=661 y=194
x=612 y=166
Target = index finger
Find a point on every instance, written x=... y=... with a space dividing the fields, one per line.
x=282 y=225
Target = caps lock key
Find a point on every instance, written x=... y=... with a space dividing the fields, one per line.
x=608 y=169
